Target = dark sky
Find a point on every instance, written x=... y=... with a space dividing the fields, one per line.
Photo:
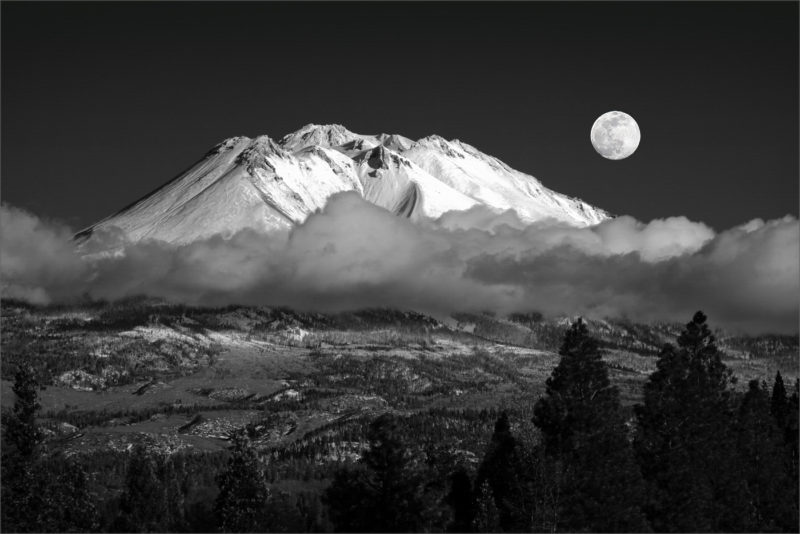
x=103 y=102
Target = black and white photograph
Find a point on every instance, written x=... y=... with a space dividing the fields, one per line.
x=402 y=266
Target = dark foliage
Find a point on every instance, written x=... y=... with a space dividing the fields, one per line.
x=790 y=430
x=241 y=503
x=762 y=465
x=501 y=469
x=143 y=505
x=462 y=500
x=579 y=397
x=386 y=492
x=50 y=494
x=585 y=437
x=40 y=492
x=713 y=459
x=487 y=517
x=687 y=439
x=19 y=428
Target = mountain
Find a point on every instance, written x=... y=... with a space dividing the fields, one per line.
x=265 y=184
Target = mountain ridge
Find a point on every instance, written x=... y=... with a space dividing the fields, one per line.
x=268 y=185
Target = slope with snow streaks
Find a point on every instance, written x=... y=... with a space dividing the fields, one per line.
x=398 y=185
x=495 y=184
x=267 y=185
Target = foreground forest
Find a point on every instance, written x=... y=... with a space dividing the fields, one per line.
x=149 y=418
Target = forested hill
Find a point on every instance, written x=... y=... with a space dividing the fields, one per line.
x=144 y=416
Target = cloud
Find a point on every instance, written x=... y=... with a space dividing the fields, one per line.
x=352 y=254
x=656 y=241
x=38 y=262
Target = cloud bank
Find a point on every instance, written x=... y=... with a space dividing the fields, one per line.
x=352 y=255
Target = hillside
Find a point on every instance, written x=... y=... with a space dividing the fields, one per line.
x=117 y=371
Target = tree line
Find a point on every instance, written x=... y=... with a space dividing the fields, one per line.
x=694 y=456
x=697 y=457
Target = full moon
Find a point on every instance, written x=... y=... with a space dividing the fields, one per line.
x=615 y=135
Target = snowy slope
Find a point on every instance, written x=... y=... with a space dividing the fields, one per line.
x=266 y=185
x=493 y=183
x=400 y=186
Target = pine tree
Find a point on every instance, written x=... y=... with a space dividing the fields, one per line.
x=779 y=403
x=398 y=473
x=546 y=490
x=143 y=502
x=769 y=487
x=579 y=396
x=21 y=438
x=386 y=493
x=707 y=372
x=784 y=410
x=685 y=443
x=487 y=517
x=54 y=497
x=350 y=501
x=501 y=467
x=461 y=500
x=243 y=493
x=59 y=499
x=20 y=429
x=174 y=494
x=791 y=434
x=584 y=433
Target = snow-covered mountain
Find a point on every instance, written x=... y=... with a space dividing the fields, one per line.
x=263 y=184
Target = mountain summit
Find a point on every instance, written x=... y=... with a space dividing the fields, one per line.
x=265 y=184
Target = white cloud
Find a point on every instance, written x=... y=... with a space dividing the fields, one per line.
x=353 y=254
x=37 y=259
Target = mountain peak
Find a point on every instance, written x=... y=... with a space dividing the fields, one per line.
x=267 y=185
x=229 y=144
x=313 y=127
x=327 y=135
x=395 y=142
x=257 y=152
x=381 y=157
x=431 y=139
x=440 y=143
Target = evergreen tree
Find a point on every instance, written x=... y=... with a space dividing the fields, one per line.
x=685 y=442
x=779 y=403
x=283 y=514
x=20 y=430
x=501 y=468
x=579 y=395
x=243 y=493
x=386 y=492
x=583 y=429
x=39 y=493
x=56 y=499
x=350 y=501
x=546 y=492
x=769 y=487
x=603 y=486
x=59 y=499
x=791 y=429
x=174 y=494
x=143 y=503
x=440 y=465
x=784 y=411
x=791 y=436
x=21 y=437
x=487 y=517
x=461 y=500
